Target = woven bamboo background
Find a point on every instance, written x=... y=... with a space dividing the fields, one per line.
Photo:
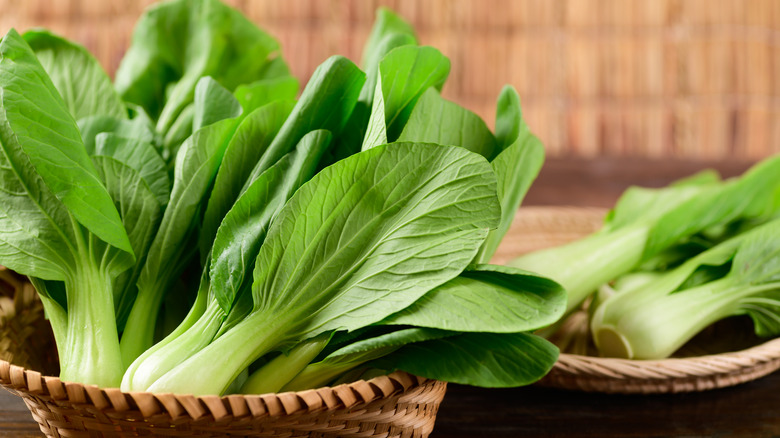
x=696 y=79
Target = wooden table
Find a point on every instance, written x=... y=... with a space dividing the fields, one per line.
x=749 y=410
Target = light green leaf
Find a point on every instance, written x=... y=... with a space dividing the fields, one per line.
x=406 y=73
x=487 y=298
x=260 y=93
x=160 y=72
x=212 y=103
x=386 y=24
x=436 y=120
x=35 y=115
x=141 y=157
x=376 y=133
x=516 y=168
x=340 y=240
x=84 y=86
x=137 y=128
x=509 y=118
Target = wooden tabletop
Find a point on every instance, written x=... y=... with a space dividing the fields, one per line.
x=749 y=410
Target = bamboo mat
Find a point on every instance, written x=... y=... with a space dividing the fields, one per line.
x=692 y=79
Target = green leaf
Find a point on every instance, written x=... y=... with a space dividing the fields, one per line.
x=212 y=103
x=492 y=360
x=326 y=103
x=160 y=72
x=244 y=228
x=84 y=86
x=252 y=138
x=137 y=128
x=376 y=242
x=376 y=132
x=405 y=74
x=386 y=24
x=389 y=31
x=436 y=120
x=516 y=168
x=36 y=236
x=509 y=118
x=35 y=115
x=141 y=157
x=260 y=93
x=487 y=298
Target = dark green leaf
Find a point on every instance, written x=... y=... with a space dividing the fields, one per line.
x=249 y=143
x=326 y=103
x=492 y=360
x=244 y=228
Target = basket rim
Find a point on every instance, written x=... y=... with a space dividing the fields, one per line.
x=25 y=382
x=644 y=376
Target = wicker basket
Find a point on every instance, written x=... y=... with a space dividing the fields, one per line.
x=398 y=405
x=744 y=358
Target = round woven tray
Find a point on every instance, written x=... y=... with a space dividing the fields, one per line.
x=539 y=227
x=397 y=405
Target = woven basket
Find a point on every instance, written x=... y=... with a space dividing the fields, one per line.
x=540 y=227
x=398 y=405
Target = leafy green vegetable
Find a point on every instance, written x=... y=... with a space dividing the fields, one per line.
x=647 y=221
x=487 y=298
x=382 y=244
x=236 y=245
x=41 y=124
x=316 y=259
x=159 y=72
x=653 y=320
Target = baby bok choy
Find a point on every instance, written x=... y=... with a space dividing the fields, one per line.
x=740 y=276
x=646 y=222
x=68 y=222
x=363 y=239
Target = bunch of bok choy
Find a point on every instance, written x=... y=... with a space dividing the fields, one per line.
x=198 y=217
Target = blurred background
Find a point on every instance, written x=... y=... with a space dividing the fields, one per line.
x=682 y=79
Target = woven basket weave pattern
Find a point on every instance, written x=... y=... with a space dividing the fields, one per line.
x=686 y=78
